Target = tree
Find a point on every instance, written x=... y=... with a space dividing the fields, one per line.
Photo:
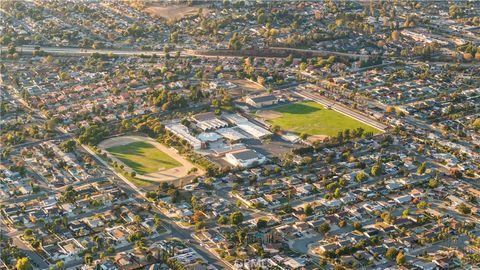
x=433 y=183
x=35 y=244
x=69 y=195
x=222 y=219
x=235 y=42
x=308 y=210
x=261 y=223
x=376 y=170
x=111 y=250
x=289 y=60
x=88 y=258
x=422 y=168
x=137 y=219
x=337 y=193
x=360 y=176
x=23 y=264
x=400 y=258
x=193 y=202
x=236 y=218
x=93 y=134
x=165 y=106
x=390 y=109
x=200 y=225
x=307 y=160
x=174 y=195
x=357 y=225
x=464 y=209
x=454 y=11
x=421 y=205
x=275 y=128
x=28 y=232
x=60 y=265
x=197 y=216
x=64 y=76
x=302 y=66
x=324 y=228
x=68 y=146
x=391 y=253
x=387 y=217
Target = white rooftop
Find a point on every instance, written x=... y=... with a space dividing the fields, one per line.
x=209 y=137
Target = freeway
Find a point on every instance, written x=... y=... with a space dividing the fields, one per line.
x=82 y=51
x=354 y=55
x=75 y=51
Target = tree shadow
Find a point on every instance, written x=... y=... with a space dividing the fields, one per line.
x=137 y=150
x=298 y=108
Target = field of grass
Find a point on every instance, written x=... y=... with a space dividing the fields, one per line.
x=143 y=157
x=313 y=119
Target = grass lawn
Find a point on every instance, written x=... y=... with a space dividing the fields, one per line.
x=143 y=157
x=314 y=119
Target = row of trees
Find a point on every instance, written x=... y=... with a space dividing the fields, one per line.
x=93 y=134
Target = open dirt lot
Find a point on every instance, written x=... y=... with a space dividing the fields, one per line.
x=174 y=13
x=169 y=174
x=268 y=114
x=315 y=138
x=245 y=87
x=248 y=85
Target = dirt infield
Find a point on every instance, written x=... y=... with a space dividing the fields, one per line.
x=171 y=174
x=268 y=114
x=174 y=13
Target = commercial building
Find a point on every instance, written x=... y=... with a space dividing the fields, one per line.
x=208 y=121
x=234 y=118
x=254 y=130
x=232 y=134
x=183 y=133
x=261 y=100
x=244 y=158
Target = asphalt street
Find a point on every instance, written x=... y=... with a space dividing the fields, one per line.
x=176 y=231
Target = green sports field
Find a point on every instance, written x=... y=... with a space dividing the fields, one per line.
x=143 y=157
x=313 y=119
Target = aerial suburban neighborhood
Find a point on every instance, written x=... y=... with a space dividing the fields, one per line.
x=244 y=135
